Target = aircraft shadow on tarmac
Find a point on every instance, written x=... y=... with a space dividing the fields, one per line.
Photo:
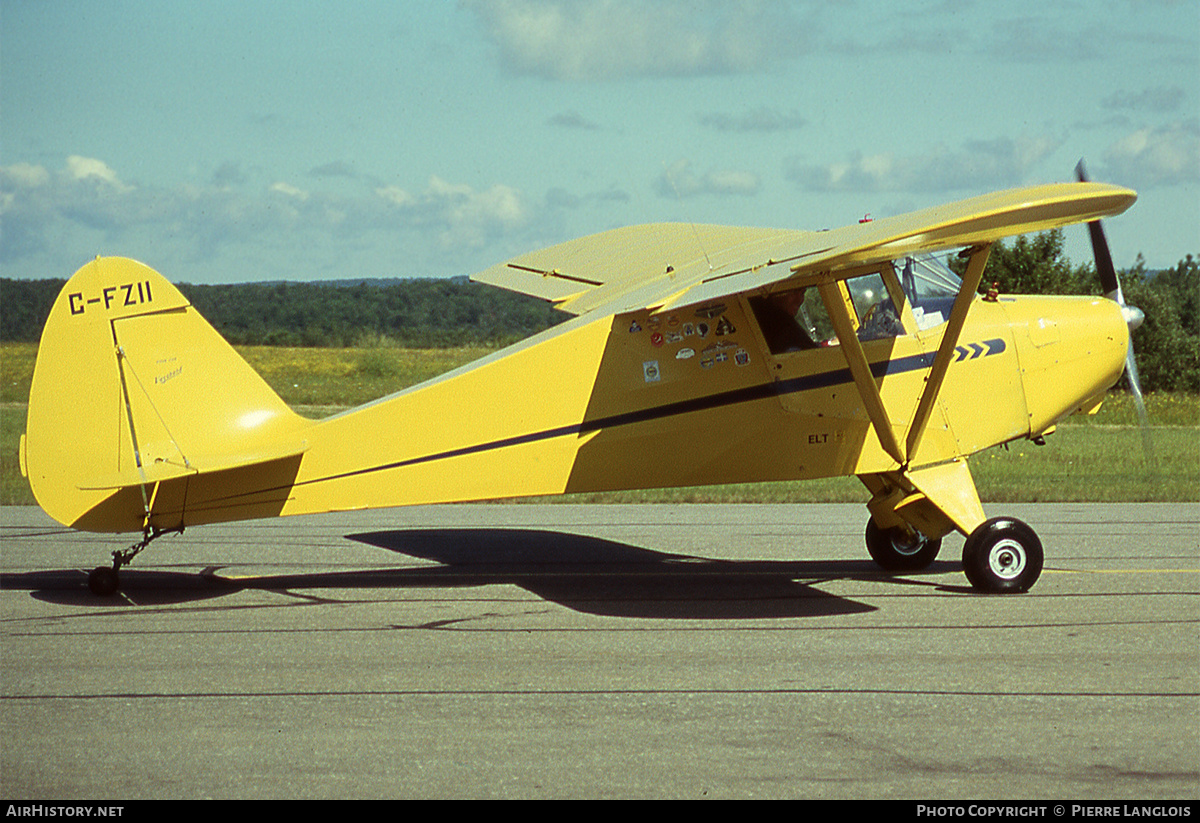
x=139 y=587
x=587 y=574
x=605 y=577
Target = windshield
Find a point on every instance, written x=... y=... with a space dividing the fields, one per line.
x=930 y=286
x=877 y=315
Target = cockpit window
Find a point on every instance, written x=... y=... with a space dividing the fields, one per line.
x=797 y=319
x=877 y=315
x=783 y=320
x=931 y=288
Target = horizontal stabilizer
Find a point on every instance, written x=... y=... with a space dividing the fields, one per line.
x=168 y=470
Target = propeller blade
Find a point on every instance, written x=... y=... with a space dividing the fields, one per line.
x=1135 y=387
x=1104 y=263
x=1133 y=316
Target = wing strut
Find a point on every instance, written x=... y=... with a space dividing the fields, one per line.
x=860 y=369
x=945 y=352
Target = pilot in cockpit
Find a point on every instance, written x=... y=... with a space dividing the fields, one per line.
x=783 y=321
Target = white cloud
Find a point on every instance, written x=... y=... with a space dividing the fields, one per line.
x=499 y=204
x=466 y=216
x=680 y=180
x=53 y=220
x=979 y=164
x=731 y=181
x=605 y=39
x=396 y=196
x=41 y=208
x=1156 y=157
x=87 y=168
x=290 y=191
x=25 y=175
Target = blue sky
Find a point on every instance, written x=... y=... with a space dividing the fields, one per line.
x=233 y=141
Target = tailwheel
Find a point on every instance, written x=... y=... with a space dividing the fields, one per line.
x=1002 y=556
x=103 y=581
x=898 y=549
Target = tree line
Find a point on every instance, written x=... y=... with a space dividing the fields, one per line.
x=453 y=312
x=411 y=313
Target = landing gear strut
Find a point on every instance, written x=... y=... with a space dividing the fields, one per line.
x=105 y=580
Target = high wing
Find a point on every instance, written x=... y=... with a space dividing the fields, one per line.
x=667 y=266
x=618 y=269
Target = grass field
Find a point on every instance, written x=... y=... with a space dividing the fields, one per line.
x=1098 y=458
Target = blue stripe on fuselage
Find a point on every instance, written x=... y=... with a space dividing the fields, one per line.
x=748 y=394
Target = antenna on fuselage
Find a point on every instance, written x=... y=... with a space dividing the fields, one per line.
x=695 y=231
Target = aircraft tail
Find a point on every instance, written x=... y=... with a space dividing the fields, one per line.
x=141 y=415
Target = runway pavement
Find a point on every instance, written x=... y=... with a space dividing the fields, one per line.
x=530 y=651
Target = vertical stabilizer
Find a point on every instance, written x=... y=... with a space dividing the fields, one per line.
x=134 y=389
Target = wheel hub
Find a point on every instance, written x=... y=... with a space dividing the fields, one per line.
x=907 y=545
x=1007 y=559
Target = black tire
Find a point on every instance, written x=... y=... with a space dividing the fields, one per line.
x=103 y=581
x=1003 y=556
x=895 y=549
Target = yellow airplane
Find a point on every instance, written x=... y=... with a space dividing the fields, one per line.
x=697 y=355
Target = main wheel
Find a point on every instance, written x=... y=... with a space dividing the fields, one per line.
x=1002 y=556
x=103 y=581
x=898 y=550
